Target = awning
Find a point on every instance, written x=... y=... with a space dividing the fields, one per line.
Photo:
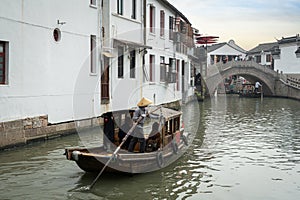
x=108 y=54
x=118 y=42
x=206 y=39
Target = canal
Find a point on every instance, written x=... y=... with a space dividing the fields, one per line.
x=243 y=149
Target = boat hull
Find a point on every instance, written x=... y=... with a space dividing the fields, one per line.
x=251 y=95
x=94 y=159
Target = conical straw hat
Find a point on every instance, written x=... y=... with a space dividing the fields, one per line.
x=144 y=102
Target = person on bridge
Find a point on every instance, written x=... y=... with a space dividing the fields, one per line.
x=257 y=85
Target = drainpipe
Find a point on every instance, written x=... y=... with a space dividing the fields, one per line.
x=99 y=52
x=144 y=19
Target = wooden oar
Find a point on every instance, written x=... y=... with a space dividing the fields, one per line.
x=261 y=93
x=119 y=147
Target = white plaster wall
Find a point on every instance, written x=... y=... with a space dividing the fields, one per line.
x=124 y=28
x=225 y=50
x=288 y=62
x=42 y=72
x=126 y=92
x=163 y=46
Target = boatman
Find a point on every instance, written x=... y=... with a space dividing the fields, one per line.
x=138 y=134
x=257 y=85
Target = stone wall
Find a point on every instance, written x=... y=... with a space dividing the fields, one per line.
x=23 y=131
x=283 y=89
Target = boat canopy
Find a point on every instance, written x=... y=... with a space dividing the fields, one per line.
x=168 y=113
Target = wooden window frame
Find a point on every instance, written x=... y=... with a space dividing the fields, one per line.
x=268 y=58
x=4 y=56
x=177 y=74
x=105 y=82
x=93 y=44
x=162 y=23
x=132 y=63
x=171 y=28
x=258 y=58
x=171 y=75
x=152 y=19
x=120 y=62
x=163 y=69
x=151 y=68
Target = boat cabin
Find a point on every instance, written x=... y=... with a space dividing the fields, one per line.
x=114 y=123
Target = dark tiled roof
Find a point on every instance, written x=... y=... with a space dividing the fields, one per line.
x=176 y=10
x=236 y=47
x=289 y=39
x=219 y=45
x=215 y=46
x=263 y=47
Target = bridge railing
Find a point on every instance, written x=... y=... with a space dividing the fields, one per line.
x=292 y=81
x=223 y=66
x=215 y=69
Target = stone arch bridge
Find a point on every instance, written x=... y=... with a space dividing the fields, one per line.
x=274 y=83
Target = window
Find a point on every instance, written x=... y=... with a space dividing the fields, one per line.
x=172 y=72
x=105 y=81
x=120 y=7
x=171 y=28
x=163 y=70
x=3 y=61
x=258 y=59
x=269 y=58
x=152 y=19
x=93 y=2
x=133 y=15
x=56 y=35
x=177 y=75
x=152 y=68
x=162 y=23
x=192 y=70
x=93 y=54
x=132 y=64
x=120 y=62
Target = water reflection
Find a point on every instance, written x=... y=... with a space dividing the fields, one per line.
x=243 y=149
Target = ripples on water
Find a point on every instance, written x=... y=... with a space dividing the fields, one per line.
x=244 y=149
x=251 y=150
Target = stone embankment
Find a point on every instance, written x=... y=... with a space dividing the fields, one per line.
x=24 y=131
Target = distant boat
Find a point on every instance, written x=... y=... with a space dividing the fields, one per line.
x=173 y=141
x=250 y=95
x=248 y=91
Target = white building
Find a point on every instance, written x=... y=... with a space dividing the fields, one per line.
x=223 y=52
x=123 y=50
x=287 y=58
x=169 y=70
x=68 y=66
x=44 y=46
x=262 y=54
x=140 y=55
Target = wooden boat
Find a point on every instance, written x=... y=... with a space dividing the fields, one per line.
x=173 y=141
x=250 y=95
x=248 y=91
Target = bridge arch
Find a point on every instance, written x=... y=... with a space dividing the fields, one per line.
x=250 y=70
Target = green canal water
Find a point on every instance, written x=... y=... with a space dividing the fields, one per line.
x=243 y=149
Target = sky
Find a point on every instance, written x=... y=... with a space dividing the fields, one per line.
x=247 y=22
